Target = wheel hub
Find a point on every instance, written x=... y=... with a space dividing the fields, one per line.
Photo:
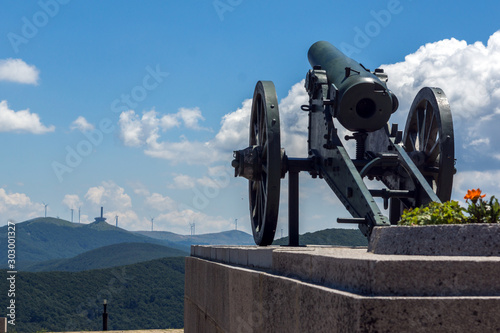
x=247 y=163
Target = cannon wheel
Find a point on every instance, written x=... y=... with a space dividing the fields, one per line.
x=428 y=139
x=264 y=193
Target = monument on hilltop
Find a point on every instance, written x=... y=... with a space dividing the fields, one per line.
x=101 y=218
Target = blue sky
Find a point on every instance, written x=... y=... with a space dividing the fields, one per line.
x=137 y=106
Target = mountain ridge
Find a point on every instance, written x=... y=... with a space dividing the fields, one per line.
x=47 y=239
x=108 y=256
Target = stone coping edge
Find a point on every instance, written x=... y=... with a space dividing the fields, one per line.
x=437 y=240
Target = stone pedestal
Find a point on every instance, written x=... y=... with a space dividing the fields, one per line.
x=338 y=289
x=437 y=240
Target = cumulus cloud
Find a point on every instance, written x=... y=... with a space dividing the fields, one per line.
x=138 y=130
x=235 y=126
x=109 y=193
x=81 y=124
x=182 y=182
x=18 y=206
x=116 y=202
x=21 y=121
x=469 y=74
x=16 y=70
x=176 y=217
x=139 y=188
x=179 y=221
x=190 y=117
x=145 y=131
x=72 y=201
x=160 y=203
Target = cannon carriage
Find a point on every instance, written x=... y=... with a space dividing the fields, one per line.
x=415 y=167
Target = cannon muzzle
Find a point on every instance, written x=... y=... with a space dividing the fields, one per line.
x=364 y=103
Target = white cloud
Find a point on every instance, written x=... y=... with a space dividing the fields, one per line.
x=131 y=131
x=16 y=70
x=18 y=207
x=191 y=117
x=72 y=201
x=94 y=194
x=183 y=151
x=182 y=182
x=21 y=121
x=160 y=203
x=175 y=217
x=488 y=181
x=139 y=188
x=234 y=129
x=115 y=202
x=179 y=222
x=294 y=121
x=469 y=74
x=81 y=124
x=137 y=131
x=109 y=193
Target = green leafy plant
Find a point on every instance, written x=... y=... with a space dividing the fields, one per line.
x=448 y=212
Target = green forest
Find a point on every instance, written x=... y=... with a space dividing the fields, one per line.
x=146 y=295
x=334 y=236
x=66 y=270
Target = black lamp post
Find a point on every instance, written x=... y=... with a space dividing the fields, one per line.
x=105 y=317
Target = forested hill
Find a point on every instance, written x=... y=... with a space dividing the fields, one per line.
x=44 y=239
x=148 y=295
x=108 y=256
x=342 y=237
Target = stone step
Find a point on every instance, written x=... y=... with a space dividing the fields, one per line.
x=250 y=289
x=482 y=239
x=364 y=273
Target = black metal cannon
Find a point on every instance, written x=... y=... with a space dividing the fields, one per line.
x=415 y=166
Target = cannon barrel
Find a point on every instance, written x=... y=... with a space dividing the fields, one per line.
x=363 y=101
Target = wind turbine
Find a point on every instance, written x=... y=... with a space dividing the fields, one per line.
x=45 y=208
x=72 y=215
x=116 y=218
x=192 y=225
x=152 y=221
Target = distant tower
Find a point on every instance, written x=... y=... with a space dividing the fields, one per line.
x=235 y=224
x=152 y=221
x=45 y=208
x=192 y=225
x=116 y=217
x=72 y=215
x=78 y=214
x=100 y=219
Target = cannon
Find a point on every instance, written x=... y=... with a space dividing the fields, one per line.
x=411 y=167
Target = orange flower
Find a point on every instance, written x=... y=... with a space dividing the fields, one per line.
x=474 y=195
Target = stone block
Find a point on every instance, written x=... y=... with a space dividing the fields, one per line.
x=437 y=240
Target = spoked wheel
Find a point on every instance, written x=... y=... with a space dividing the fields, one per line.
x=429 y=141
x=264 y=188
